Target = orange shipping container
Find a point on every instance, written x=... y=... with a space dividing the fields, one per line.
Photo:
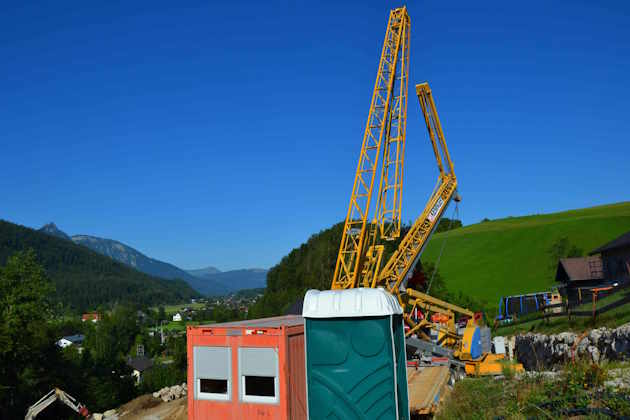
x=252 y=369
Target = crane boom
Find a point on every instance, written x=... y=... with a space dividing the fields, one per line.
x=386 y=118
x=397 y=268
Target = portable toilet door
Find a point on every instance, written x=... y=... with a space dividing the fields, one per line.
x=355 y=355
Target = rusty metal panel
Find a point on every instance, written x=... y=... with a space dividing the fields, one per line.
x=297 y=377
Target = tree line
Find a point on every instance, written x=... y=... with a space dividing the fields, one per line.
x=31 y=363
x=312 y=265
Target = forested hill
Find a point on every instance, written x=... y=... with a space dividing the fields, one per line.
x=85 y=279
x=310 y=266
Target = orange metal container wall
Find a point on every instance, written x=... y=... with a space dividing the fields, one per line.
x=289 y=342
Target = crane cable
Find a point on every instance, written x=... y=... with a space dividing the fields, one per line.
x=437 y=263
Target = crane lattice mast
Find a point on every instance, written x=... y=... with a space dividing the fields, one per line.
x=384 y=134
x=361 y=249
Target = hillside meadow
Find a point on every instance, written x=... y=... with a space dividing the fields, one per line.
x=508 y=256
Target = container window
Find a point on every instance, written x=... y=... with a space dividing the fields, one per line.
x=260 y=386
x=258 y=371
x=212 y=373
x=213 y=386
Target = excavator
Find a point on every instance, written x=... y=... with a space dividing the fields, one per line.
x=361 y=252
x=52 y=396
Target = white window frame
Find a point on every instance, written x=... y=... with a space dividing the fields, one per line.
x=211 y=396
x=258 y=399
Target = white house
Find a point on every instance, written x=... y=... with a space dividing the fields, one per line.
x=71 y=340
x=177 y=317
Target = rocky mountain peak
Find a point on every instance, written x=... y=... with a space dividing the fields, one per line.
x=53 y=230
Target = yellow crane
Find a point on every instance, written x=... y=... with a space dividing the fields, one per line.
x=384 y=134
x=360 y=257
x=359 y=262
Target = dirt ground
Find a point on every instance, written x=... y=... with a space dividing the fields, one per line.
x=147 y=407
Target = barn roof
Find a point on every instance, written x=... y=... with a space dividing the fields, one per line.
x=75 y=339
x=580 y=268
x=140 y=363
x=620 y=242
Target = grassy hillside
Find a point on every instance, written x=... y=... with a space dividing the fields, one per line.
x=510 y=256
x=85 y=279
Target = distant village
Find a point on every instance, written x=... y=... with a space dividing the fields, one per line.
x=164 y=323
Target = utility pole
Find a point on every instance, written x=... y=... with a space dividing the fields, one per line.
x=162 y=332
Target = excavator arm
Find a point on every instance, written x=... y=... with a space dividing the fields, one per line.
x=51 y=397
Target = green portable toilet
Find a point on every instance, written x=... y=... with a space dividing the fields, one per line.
x=355 y=355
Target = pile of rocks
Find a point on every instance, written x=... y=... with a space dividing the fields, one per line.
x=171 y=393
x=108 y=415
x=618 y=378
x=543 y=352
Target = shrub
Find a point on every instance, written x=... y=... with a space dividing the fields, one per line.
x=160 y=376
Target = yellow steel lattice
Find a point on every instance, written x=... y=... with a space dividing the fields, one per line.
x=386 y=118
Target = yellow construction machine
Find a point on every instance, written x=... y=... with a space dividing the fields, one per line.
x=360 y=258
x=359 y=262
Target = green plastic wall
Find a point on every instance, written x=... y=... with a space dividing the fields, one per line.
x=401 y=366
x=350 y=368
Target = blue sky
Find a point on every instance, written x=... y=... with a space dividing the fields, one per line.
x=227 y=134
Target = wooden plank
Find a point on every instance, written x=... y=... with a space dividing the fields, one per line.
x=426 y=387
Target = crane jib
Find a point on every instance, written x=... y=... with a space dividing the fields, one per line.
x=435 y=211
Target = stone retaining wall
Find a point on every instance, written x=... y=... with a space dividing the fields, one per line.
x=544 y=352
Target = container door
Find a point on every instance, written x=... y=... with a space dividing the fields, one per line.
x=297 y=378
x=350 y=368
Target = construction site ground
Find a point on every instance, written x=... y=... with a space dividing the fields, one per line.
x=427 y=387
x=146 y=407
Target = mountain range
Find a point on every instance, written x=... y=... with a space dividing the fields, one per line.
x=201 y=272
x=232 y=281
x=208 y=281
x=84 y=279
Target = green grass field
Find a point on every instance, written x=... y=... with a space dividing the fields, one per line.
x=178 y=326
x=173 y=309
x=510 y=256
